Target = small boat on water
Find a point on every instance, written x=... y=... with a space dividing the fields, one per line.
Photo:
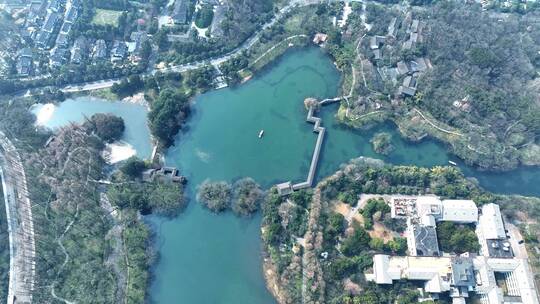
x=261 y=133
x=452 y=163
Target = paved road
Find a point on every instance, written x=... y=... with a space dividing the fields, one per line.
x=96 y=85
x=107 y=83
x=20 y=224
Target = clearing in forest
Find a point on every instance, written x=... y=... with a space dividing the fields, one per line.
x=106 y=17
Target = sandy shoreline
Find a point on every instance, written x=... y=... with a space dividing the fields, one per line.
x=118 y=151
x=137 y=99
x=44 y=114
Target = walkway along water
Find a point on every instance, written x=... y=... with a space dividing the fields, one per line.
x=316 y=152
x=285 y=188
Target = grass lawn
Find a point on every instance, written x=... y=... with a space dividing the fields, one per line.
x=106 y=17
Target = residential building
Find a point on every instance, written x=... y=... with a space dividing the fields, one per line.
x=79 y=51
x=59 y=56
x=491 y=233
x=24 y=62
x=118 y=51
x=164 y=174
x=100 y=49
x=439 y=274
x=495 y=276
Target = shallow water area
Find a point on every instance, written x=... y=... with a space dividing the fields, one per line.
x=136 y=134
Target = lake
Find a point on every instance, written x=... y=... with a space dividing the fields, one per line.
x=216 y=259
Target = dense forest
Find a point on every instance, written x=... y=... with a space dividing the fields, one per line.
x=479 y=93
x=489 y=64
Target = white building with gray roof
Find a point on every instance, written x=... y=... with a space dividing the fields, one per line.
x=495 y=275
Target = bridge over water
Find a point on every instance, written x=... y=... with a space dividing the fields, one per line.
x=288 y=187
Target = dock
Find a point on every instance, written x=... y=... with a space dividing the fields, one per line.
x=288 y=187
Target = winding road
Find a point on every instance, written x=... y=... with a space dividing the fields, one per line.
x=102 y=84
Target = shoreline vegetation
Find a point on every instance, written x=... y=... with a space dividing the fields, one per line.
x=382 y=143
x=93 y=244
x=243 y=197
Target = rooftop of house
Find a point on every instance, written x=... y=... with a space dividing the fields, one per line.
x=406 y=91
x=50 y=22
x=402 y=67
x=164 y=174
x=463 y=271
x=518 y=277
x=100 y=49
x=414 y=25
x=375 y=42
x=26 y=52
x=409 y=81
x=436 y=271
x=42 y=38
x=58 y=56
x=464 y=211
x=491 y=222
x=461 y=274
x=284 y=188
x=24 y=65
x=72 y=14
x=392 y=27
x=62 y=40
x=425 y=240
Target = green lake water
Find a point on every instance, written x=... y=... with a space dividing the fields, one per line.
x=75 y=110
x=211 y=259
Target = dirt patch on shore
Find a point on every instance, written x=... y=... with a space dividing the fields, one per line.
x=271 y=277
x=348 y=212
